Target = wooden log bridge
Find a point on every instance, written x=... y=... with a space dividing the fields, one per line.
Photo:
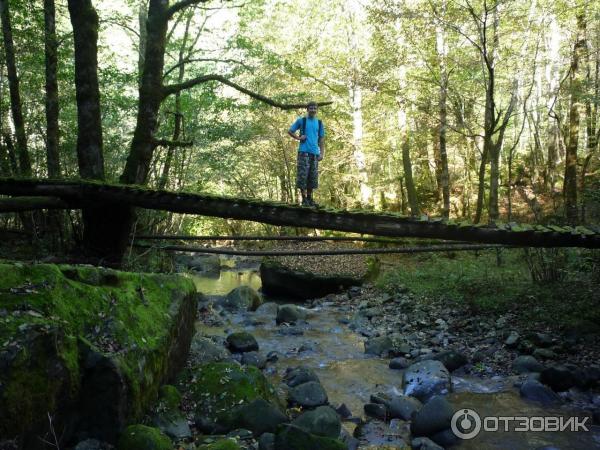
x=75 y=194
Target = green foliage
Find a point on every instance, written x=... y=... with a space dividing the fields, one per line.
x=546 y=265
x=477 y=281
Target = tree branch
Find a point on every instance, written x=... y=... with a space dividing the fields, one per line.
x=181 y=5
x=174 y=88
x=168 y=143
x=192 y=60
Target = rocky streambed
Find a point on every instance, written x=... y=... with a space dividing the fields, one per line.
x=357 y=368
x=382 y=360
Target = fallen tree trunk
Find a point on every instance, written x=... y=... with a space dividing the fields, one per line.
x=181 y=237
x=31 y=203
x=380 y=224
x=341 y=251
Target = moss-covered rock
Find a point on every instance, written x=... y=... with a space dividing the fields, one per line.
x=219 y=388
x=168 y=418
x=222 y=444
x=141 y=437
x=291 y=437
x=259 y=416
x=90 y=346
x=170 y=397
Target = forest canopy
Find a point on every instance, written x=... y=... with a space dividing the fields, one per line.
x=478 y=110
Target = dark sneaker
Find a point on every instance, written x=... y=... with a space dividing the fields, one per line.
x=305 y=202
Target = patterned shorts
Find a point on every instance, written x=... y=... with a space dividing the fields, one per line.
x=308 y=171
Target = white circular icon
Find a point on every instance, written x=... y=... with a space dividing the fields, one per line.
x=466 y=424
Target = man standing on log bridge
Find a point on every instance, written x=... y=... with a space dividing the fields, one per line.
x=310 y=152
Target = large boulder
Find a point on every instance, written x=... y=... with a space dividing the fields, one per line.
x=280 y=280
x=221 y=444
x=435 y=416
x=308 y=395
x=242 y=298
x=168 y=417
x=290 y=314
x=207 y=265
x=141 y=437
x=267 y=309
x=536 y=391
x=258 y=416
x=403 y=407
x=204 y=350
x=425 y=379
x=87 y=345
x=291 y=437
x=255 y=359
x=379 y=346
x=322 y=421
x=220 y=389
x=559 y=378
x=299 y=375
x=241 y=342
x=526 y=364
x=451 y=359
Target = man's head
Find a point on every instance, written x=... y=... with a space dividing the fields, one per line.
x=311 y=109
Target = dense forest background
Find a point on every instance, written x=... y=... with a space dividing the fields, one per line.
x=482 y=110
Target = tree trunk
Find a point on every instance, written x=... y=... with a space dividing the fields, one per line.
x=444 y=177
x=10 y=150
x=481 y=185
x=355 y=92
x=15 y=95
x=142 y=18
x=4 y=161
x=413 y=200
x=150 y=96
x=89 y=125
x=177 y=115
x=51 y=46
x=591 y=113
x=570 y=180
x=106 y=225
x=366 y=192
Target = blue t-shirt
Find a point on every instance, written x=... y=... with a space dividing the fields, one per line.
x=311 y=144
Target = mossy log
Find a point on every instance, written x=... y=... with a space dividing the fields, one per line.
x=31 y=204
x=86 y=346
x=80 y=194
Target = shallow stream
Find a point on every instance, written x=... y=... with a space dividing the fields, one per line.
x=349 y=376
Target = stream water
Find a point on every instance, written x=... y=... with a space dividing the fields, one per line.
x=349 y=376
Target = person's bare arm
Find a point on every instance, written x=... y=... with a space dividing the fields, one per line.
x=300 y=138
x=321 y=149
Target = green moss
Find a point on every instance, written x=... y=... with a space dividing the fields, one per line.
x=49 y=309
x=170 y=397
x=219 y=387
x=222 y=444
x=141 y=437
